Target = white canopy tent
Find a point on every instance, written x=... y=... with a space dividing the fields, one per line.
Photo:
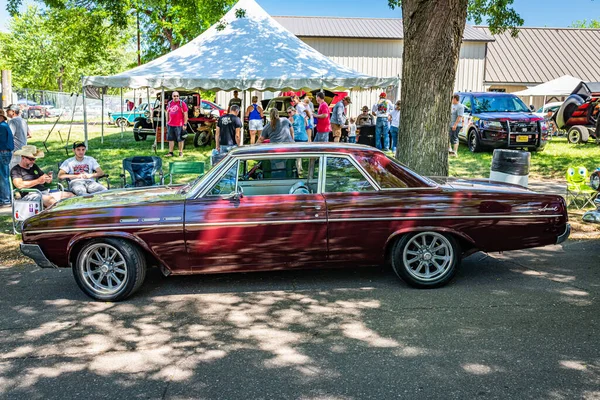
x=562 y=86
x=246 y=50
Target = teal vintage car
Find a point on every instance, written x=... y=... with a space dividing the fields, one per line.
x=127 y=118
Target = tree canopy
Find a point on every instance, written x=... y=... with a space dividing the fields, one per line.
x=592 y=23
x=52 y=49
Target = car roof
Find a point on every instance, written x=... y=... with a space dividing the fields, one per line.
x=494 y=94
x=302 y=147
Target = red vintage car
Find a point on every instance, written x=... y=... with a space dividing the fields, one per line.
x=270 y=207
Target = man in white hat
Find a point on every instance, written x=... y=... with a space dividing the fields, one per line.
x=6 y=148
x=27 y=175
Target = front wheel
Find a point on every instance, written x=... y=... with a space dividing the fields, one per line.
x=202 y=138
x=426 y=259
x=121 y=123
x=109 y=269
x=474 y=145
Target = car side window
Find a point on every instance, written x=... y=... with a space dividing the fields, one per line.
x=343 y=177
x=382 y=170
x=227 y=183
x=466 y=101
x=206 y=106
x=279 y=176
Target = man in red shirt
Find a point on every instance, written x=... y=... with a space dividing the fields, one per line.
x=177 y=118
x=323 y=122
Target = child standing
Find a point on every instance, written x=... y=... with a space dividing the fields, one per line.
x=352 y=130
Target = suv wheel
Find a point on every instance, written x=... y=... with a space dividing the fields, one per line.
x=473 y=142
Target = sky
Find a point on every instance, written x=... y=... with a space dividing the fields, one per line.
x=536 y=13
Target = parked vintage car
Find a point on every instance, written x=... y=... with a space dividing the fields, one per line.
x=202 y=116
x=579 y=115
x=500 y=120
x=126 y=118
x=271 y=207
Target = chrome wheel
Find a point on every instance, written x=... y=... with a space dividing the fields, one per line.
x=428 y=256
x=103 y=269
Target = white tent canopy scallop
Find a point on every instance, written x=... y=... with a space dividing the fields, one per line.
x=252 y=52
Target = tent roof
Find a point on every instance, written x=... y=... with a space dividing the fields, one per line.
x=562 y=86
x=252 y=52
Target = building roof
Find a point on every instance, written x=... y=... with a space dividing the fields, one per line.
x=539 y=55
x=363 y=28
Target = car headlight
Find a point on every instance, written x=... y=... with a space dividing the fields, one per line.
x=491 y=124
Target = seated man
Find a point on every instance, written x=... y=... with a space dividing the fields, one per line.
x=82 y=172
x=27 y=175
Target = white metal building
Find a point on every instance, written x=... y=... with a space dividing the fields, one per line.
x=374 y=46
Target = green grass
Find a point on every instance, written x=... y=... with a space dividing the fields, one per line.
x=112 y=151
x=552 y=163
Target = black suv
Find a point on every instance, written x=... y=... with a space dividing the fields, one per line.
x=500 y=120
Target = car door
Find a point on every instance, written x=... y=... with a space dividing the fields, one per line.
x=352 y=210
x=467 y=102
x=267 y=228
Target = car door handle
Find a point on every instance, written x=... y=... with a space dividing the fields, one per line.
x=313 y=207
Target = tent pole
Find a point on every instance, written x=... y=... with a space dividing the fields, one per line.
x=242 y=112
x=102 y=119
x=544 y=101
x=85 y=130
x=121 y=125
x=162 y=117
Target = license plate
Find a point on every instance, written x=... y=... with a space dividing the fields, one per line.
x=522 y=138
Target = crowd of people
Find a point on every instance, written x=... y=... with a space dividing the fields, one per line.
x=18 y=166
x=305 y=124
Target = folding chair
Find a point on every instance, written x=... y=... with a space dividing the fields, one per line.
x=143 y=171
x=195 y=168
x=103 y=177
x=578 y=189
x=24 y=209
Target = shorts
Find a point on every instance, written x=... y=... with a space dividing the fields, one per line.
x=255 y=125
x=175 y=134
x=337 y=130
x=454 y=135
x=35 y=196
x=322 y=137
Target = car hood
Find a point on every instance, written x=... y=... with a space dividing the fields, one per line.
x=477 y=184
x=513 y=116
x=121 y=198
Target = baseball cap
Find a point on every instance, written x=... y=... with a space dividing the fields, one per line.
x=13 y=107
x=347 y=99
x=383 y=94
x=78 y=144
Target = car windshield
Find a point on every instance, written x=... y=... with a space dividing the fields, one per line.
x=485 y=103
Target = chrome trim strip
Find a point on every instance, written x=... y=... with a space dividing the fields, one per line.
x=565 y=235
x=251 y=223
x=444 y=217
x=112 y=227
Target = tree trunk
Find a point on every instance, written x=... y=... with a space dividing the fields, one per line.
x=433 y=31
x=60 y=78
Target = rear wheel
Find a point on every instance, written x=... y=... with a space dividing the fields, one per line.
x=426 y=259
x=595 y=180
x=202 y=138
x=121 y=123
x=109 y=269
x=473 y=142
x=578 y=134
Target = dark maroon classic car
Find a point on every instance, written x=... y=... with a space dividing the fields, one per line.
x=273 y=207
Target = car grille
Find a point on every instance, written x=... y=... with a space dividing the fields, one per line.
x=516 y=127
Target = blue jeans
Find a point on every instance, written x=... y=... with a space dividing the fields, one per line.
x=5 y=157
x=322 y=137
x=381 y=132
x=394 y=132
x=351 y=139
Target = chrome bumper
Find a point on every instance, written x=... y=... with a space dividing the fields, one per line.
x=565 y=235
x=34 y=252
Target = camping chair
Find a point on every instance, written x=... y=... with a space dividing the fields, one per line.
x=24 y=209
x=577 y=188
x=103 y=177
x=195 y=168
x=143 y=171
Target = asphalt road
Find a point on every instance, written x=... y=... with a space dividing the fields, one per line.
x=522 y=325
